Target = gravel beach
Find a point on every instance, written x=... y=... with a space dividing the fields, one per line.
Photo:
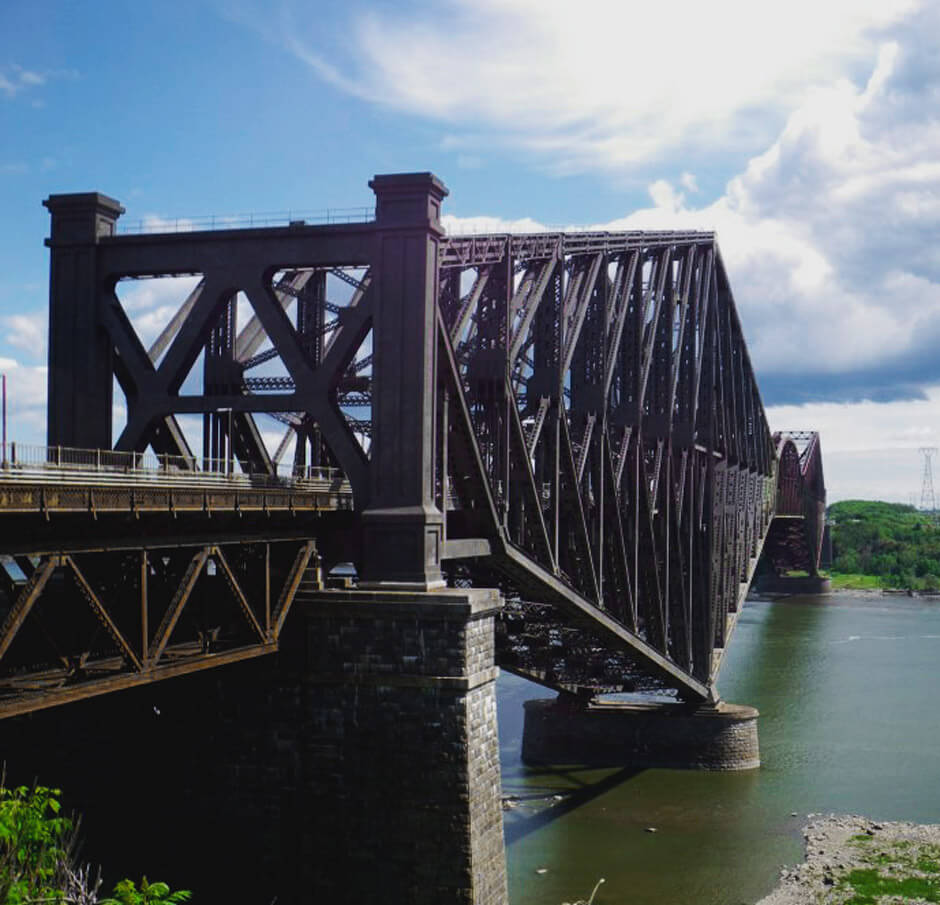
x=857 y=860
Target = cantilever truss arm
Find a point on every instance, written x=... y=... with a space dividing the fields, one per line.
x=625 y=382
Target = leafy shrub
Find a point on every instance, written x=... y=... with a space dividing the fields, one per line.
x=35 y=845
x=37 y=863
x=126 y=893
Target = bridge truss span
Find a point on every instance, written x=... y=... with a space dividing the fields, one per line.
x=570 y=416
x=795 y=541
x=605 y=404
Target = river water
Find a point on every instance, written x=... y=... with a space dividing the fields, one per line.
x=849 y=694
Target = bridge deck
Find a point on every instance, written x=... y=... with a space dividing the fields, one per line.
x=48 y=486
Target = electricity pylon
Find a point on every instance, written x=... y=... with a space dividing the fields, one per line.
x=928 y=502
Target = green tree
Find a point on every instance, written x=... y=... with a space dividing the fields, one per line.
x=846 y=562
x=893 y=543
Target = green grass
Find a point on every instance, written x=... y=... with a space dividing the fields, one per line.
x=867 y=884
x=854 y=581
x=905 y=865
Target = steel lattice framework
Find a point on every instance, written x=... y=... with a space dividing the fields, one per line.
x=615 y=416
x=795 y=540
x=570 y=416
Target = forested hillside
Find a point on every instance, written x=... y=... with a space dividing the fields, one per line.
x=895 y=544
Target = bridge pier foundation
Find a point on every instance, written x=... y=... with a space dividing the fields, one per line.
x=785 y=584
x=705 y=737
x=401 y=748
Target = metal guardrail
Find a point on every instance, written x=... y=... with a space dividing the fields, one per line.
x=58 y=463
x=326 y=217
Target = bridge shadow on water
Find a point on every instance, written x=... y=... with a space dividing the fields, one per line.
x=576 y=785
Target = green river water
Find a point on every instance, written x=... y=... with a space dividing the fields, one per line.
x=848 y=689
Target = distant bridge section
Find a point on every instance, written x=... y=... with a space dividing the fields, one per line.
x=794 y=543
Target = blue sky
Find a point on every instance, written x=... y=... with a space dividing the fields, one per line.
x=807 y=134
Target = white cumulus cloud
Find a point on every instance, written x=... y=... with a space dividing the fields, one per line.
x=829 y=236
x=27 y=332
x=609 y=84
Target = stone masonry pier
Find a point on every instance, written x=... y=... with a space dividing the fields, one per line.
x=402 y=744
x=704 y=737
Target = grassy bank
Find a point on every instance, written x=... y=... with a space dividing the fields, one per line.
x=854 y=581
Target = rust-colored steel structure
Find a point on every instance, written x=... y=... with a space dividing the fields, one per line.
x=119 y=571
x=795 y=540
x=572 y=417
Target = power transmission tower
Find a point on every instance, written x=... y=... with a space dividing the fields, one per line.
x=928 y=502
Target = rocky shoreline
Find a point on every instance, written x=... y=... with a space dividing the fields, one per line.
x=854 y=860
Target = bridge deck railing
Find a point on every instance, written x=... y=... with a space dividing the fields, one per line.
x=62 y=464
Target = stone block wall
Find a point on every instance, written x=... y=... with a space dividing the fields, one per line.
x=402 y=741
x=722 y=737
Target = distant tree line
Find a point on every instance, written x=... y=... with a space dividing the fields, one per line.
x=889 y=541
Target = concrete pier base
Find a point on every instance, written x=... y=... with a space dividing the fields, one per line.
x=774 y=584
x=713 y=737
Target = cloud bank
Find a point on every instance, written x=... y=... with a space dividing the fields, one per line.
x=606 y=84
x=829 y=233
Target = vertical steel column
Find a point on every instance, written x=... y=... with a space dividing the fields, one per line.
x=403 y=527
x=80 y=353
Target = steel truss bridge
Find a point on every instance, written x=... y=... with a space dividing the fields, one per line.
x=795 y=540
x=572 y=417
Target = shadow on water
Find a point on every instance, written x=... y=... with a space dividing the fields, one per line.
x=520 y=826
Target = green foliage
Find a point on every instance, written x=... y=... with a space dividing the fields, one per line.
x=126 y=893
x=892 y=543
x=37 y=863
x=855 y=580
x=868 y=884
x=35 y=843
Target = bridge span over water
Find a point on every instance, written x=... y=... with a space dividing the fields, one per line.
x=570 y=418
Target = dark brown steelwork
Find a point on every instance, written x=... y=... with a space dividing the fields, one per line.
x=615 y=416
x=795 y=540
x=84 y=624
x=572 y=416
